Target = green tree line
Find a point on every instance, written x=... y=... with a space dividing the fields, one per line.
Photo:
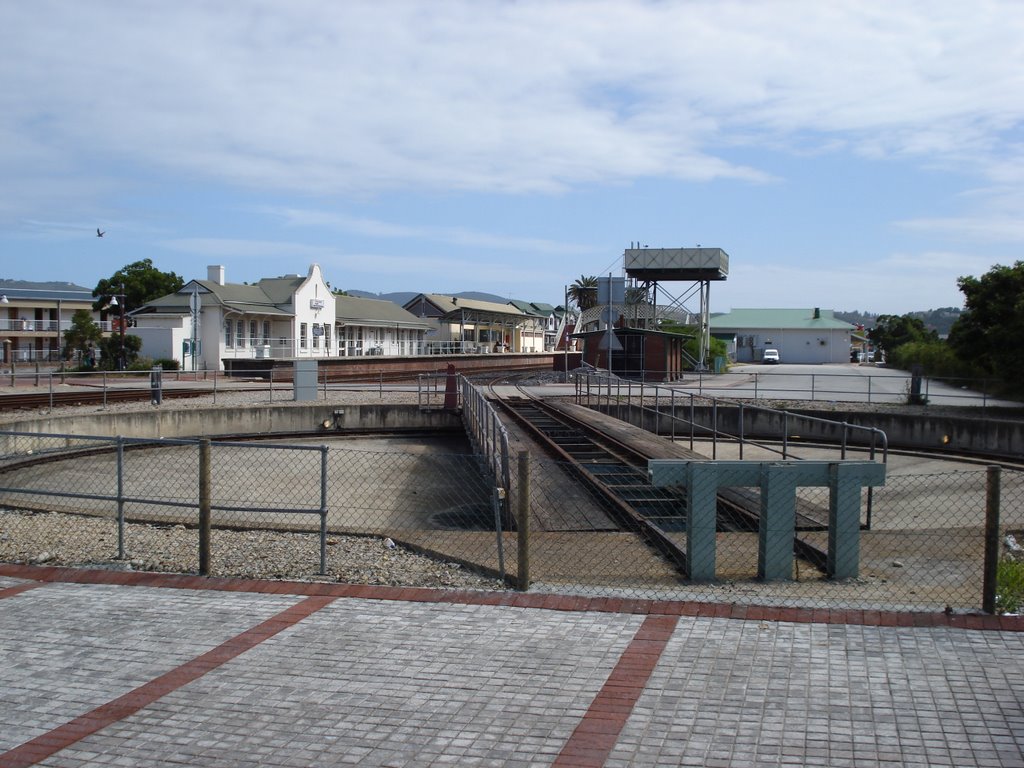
x=984 y=340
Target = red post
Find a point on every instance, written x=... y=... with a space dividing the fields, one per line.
x=451 y=390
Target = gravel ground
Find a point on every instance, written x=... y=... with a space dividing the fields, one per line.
x=54 y=538
x=61 y=539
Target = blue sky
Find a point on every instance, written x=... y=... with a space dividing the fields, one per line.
x=848 y=155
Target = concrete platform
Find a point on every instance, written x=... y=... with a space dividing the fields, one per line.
x=102 y=669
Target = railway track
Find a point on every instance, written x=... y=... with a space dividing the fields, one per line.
x=616 y=474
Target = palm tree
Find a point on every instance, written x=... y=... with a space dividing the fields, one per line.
x=584 y=292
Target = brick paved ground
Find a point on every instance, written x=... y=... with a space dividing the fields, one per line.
x=120 y=669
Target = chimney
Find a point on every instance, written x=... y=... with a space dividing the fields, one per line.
x=215 y=274
x=817 y=313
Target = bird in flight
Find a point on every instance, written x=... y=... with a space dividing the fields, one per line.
x=100 y=232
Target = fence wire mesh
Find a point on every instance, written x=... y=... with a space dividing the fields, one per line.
x=419 y=517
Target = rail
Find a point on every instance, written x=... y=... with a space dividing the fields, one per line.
x=665 y=404
x=885 y=385
x=704 y=418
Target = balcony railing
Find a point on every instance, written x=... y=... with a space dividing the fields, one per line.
x=19 y=326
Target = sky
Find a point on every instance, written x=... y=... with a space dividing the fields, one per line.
x=849 y=155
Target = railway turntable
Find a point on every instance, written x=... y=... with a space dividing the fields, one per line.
x=741 y=519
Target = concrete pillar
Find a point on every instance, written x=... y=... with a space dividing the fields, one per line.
x=843 y=521
x=777 y=523
x=701 y=513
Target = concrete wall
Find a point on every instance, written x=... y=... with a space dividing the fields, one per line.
x=252 y=420
x=953 y=434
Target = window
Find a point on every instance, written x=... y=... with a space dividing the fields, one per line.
x=316 y=335
x=303 y=332
x=229 y=335
x=327 y=338
x=240 y=334
x=266 y=332
x=252 y=333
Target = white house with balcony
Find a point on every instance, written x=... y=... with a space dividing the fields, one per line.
x=207 y=321
x=35 y=315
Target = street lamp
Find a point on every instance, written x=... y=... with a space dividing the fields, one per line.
x=115 y=303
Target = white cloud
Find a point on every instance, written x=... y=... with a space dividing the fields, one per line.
x=239 y=248
x=880 y=286
x=513 y=97
x=449 y=235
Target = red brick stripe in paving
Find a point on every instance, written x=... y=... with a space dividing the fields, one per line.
x=42 y=747
x=867 y=617
x=595 y=736
x=17 y=590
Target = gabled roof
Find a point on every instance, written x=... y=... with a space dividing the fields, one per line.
x=242 y=298
x=355 y=310
x=280 y=290
x=44 y=291
x=529 y=308
x=774 y=319
x=451 y=305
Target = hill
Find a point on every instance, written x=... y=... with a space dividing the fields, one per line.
x=939 y=320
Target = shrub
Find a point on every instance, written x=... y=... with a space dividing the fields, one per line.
x=1009 y=586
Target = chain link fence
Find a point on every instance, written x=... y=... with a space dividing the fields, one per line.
x=418 y=516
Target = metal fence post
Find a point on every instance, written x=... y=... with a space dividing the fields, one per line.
x=120 y=498
x=498 y=498
x=524 y=522
x=204 y=506
x=323 y=510
x=988 y=589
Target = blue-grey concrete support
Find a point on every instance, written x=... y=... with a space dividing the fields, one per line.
x=843 y=521
x=304 y=379
x=777 y=522
x=701 y=490
x=778 y=482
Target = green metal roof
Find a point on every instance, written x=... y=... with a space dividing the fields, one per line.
x=362 y=311
x=451 y=305
x=775 y=319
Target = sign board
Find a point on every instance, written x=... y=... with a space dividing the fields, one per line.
x=611 y=290
x=316 y=303
x=610 y=341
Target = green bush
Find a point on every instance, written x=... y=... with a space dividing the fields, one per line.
x=167 y=364
x=936 y=358
x=1009 y=586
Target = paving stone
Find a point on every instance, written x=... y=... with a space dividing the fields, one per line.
x=386 y=683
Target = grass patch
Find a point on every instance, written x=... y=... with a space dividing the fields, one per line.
x=1009 y=586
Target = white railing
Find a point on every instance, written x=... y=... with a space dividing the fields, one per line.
x=47 y=326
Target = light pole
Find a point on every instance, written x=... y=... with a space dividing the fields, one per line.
x=115 y=303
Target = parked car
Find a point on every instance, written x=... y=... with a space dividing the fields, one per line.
x=770 y=356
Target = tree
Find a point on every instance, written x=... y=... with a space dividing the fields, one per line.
x=893 y=331
x=989 y=331
x=82 y=337
x=583 y=292
x=140 y=281
x=110 y=351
